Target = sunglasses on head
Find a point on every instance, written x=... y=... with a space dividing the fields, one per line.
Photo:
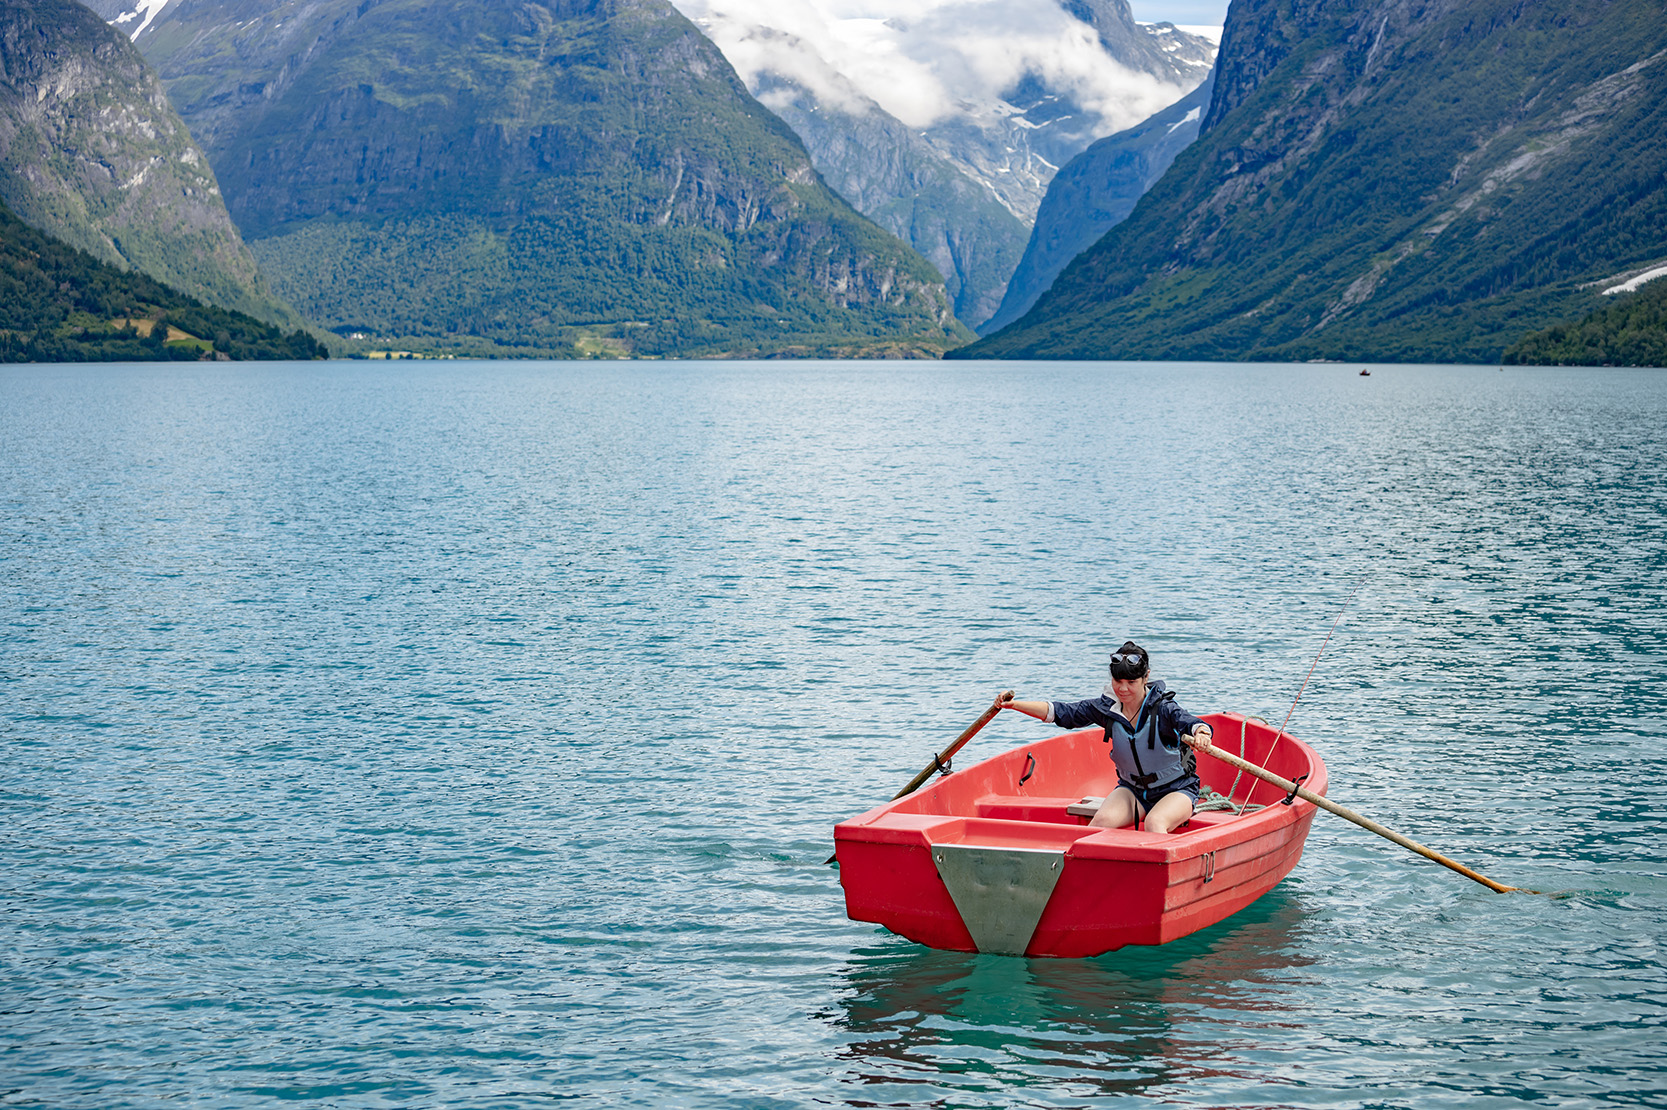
x=1132 y=662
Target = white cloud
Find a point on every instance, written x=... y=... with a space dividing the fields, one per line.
x=1211 y=31
x=1205 y=13
x=830 y=56
x=922 y=60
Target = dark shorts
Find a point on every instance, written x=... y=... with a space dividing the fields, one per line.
x=1190 y=786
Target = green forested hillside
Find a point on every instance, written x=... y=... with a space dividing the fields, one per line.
x=60 y=304
x=1389 y=182
x=549 y=175
x=1630 y=332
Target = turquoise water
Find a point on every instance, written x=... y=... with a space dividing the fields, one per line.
x=471 y=734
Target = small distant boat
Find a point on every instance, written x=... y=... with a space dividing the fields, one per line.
x=1365 y=373
x=1000 y=858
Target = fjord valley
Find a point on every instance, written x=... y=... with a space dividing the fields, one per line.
x=1094 y=193
x=597 y=177
x=941 y=140
x=625 y=178
x=1378 y=181
x=475 y=733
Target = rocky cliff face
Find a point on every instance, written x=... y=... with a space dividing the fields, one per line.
x=1382 y=179
x=92 y=153
x=535 y=172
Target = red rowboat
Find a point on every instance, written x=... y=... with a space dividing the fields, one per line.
x=1000 y=858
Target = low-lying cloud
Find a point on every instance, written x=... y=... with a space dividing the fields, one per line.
x=924 y=60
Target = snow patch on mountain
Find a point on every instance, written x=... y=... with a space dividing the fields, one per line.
x=1202 y=30
x=1636 y=283
x=145 y=12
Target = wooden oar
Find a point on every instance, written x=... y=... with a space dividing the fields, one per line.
x=948 y=753
x=960 y=742
x=1350 y=815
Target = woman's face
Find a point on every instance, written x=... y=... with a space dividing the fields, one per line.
x=1129 y=689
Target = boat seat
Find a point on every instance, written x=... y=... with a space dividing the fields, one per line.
x=1064 y=811
x=1019 y=807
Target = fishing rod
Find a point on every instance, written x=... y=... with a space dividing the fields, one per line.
x=1311 y=668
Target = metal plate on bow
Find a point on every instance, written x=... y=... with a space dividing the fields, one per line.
x=1000 y=892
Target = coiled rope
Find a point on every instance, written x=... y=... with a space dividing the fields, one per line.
x=1210 y=801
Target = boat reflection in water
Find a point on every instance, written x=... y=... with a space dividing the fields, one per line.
x=1129 y=1023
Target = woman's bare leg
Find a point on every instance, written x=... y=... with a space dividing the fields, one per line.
x=1169 y=812
x=1118 y=811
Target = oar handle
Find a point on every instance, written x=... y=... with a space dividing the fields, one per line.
x=1350 y=815
x=960 y=742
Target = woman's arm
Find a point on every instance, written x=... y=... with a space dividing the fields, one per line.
x=1041 y=710
x=1188 y=726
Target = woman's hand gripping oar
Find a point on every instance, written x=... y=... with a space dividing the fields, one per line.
x=940 y=762
x=1295 y=790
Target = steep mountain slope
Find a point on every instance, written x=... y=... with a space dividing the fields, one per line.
x=539 y=175
x=896 y=178
x=60 y=304
x=1384 y=180
x=1095 y=192
x=945 y=122
x=91 y=152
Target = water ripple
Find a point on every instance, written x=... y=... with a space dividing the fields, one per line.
x=472 y=734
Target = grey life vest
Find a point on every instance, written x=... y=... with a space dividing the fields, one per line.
x=1143 y=756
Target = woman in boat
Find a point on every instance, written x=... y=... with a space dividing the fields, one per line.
x=1157 y=775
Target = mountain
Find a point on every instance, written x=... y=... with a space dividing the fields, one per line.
x=1094 y=193
x=60 y=304
x=1377 y=180
x=1630 y=331
x=936 y=132
x=549 y=176
x=1161 y=50
x=91 y=153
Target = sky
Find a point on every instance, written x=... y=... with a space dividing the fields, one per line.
x=1208 y=13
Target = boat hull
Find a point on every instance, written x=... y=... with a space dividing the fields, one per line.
x=989 y=858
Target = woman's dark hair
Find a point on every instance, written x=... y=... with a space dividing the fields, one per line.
x=1130 y=661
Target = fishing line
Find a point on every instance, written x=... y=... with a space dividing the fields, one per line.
x=1346 y=602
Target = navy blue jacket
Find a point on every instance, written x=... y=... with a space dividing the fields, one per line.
x=1166 y=761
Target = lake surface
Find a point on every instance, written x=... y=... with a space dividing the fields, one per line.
x=471 y=734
